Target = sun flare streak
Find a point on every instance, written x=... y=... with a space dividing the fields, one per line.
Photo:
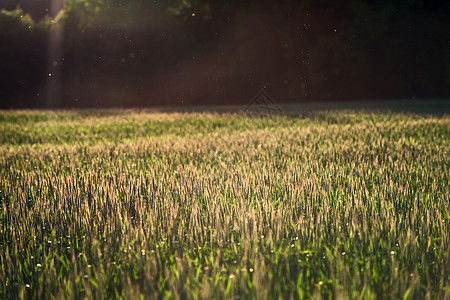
x=55 y=55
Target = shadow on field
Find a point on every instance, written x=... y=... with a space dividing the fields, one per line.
x=417 y=106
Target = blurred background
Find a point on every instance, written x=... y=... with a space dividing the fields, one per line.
x=136 y=53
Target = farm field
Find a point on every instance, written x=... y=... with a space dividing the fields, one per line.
x=317 y=203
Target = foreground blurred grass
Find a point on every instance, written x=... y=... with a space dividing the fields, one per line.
x=339 y=203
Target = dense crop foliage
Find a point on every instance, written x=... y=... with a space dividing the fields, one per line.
x=329 y=204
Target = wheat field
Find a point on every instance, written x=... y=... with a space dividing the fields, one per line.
x=323 y=204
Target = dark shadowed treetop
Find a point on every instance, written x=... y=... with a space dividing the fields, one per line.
x=147 y=52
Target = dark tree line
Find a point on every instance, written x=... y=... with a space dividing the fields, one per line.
x=142 y=52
